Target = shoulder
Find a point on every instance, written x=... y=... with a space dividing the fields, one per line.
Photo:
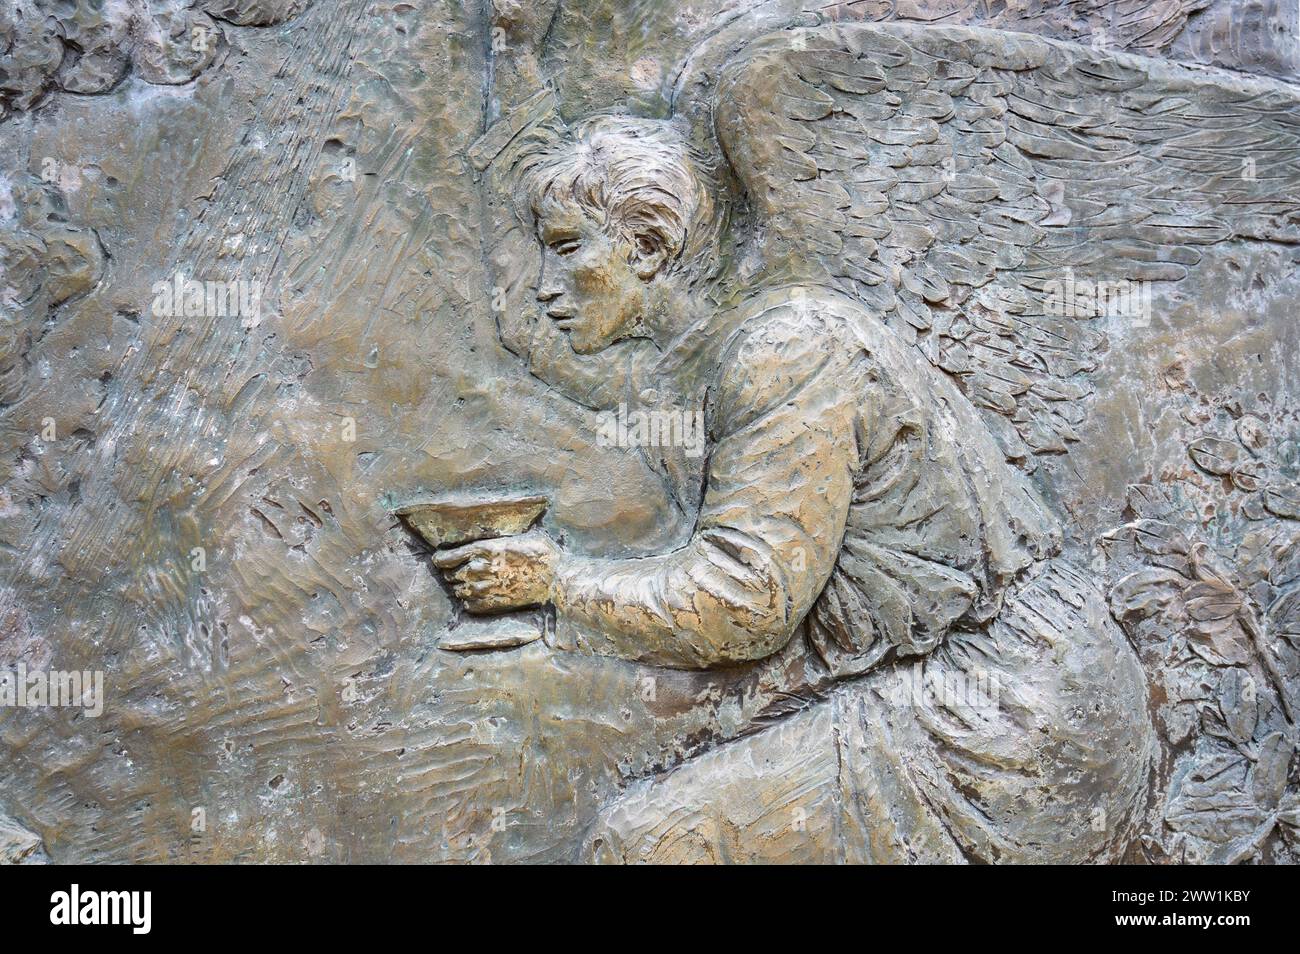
x=793 y=330
x=790 y=347
x=793 y=317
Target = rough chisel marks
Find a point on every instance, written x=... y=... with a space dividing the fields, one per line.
x=1002 y=209
x=84 y=46
x=823 y=340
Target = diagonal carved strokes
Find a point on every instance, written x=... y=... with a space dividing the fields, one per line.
x=950 y=180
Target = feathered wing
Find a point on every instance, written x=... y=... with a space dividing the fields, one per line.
x=960 y=184
x=973 y=188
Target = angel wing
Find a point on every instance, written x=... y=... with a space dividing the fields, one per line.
x=957 y=182
x=977 y=189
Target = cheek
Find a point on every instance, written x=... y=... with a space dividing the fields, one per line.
x=613 y=271
x=593 y=277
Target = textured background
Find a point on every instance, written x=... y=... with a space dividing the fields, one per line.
x=293 y=688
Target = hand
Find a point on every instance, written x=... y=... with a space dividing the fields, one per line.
x=502 y=574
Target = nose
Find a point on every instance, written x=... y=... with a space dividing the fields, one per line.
x=547 y=288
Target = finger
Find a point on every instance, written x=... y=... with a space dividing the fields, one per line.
x=490 y=604
x=476 y=569
x=474 y=592
x=455 y=557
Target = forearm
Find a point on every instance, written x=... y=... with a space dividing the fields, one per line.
x=597 y=381
x=720 y=600
x=778 y=490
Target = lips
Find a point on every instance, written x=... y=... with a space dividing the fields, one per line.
x=562 y=319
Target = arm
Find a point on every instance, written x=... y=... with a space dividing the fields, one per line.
x=779 y=484
x=599 y=381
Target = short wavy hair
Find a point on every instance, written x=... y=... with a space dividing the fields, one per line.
x=636 y=177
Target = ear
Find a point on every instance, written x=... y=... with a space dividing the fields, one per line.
x=649 y=254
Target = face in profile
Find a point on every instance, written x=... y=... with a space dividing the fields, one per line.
x=593 y=285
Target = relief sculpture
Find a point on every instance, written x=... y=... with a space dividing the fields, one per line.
x=727 y=432
x=849 y=281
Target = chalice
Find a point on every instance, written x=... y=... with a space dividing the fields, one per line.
x=452 y=522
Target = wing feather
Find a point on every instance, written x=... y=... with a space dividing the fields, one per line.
x=950 y=177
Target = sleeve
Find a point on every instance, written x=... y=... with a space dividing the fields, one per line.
x=778 y=487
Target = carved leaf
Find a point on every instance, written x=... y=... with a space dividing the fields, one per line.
x=1268 y=779
x=1284 y=615
x=1221 y=642
x=1215 y=764
x=1283 y=628
x=1243 y=847
x=1238 y=704
x=1157 y=537
x=1248 y=475
x=1215 y=725
x=1285 y=568
x=1282 y=500
x=1211 y=601
x=1212 y=802
x=1215 y=456
x=1288 y=812
x=1145 y=593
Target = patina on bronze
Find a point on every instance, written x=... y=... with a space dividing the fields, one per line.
x=911 y=388
x=458 y=521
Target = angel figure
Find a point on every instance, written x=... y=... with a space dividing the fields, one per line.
x=849 y=289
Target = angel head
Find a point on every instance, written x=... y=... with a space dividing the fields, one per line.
x=627 y=221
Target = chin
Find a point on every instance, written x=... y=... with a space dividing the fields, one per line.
x=584 y=345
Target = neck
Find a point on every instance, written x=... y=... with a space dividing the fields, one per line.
x=669 y=310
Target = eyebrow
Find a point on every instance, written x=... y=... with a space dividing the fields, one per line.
x=551 y=232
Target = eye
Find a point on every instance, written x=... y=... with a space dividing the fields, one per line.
x=565 y=246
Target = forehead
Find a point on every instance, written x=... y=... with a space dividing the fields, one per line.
x=562 y=215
